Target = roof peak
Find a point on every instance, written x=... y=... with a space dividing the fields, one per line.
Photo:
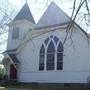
x=26 y=1
x=25 y=13
x=53 y=15
x=52 y=3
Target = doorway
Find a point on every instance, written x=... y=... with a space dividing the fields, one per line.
x=13 y=72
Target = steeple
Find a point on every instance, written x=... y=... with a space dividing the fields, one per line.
x=25 y=13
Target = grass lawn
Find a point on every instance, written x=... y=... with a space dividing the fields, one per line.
x=16 y=86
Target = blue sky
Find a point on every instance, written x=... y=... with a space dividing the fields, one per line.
x=37 y=8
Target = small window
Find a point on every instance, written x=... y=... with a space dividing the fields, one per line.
x=15 y=33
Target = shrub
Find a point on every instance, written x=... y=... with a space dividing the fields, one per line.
x=2 y=72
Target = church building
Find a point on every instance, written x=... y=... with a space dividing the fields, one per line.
x=36 y=52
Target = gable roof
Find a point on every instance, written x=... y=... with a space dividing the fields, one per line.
x=53 y=15
x=25 y=13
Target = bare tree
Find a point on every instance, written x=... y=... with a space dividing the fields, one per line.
x=5 y=18
x=74 y=16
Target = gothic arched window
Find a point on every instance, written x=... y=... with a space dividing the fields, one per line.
x=50 y=56
x=60 y=56
x=41 y=59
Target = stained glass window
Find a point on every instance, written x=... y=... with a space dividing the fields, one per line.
x=42 y=56
x=60 y=57
x=50 y=56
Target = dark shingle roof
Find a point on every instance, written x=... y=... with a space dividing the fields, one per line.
x=14 y=58
x=25 y=14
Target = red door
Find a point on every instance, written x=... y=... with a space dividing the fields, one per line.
x=13 y=72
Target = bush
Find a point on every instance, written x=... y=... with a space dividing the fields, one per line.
x=2 y=72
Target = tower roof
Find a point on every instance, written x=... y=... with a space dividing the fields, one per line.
x=25 y=13
x=53 y=15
